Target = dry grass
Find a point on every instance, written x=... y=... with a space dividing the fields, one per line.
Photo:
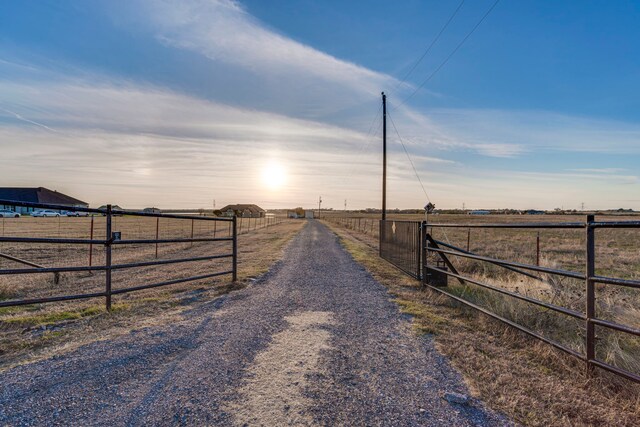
x=524 y=378
x=617 y=256
x=37 y=331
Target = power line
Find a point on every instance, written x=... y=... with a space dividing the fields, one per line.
x=368 y=139
x=450 y=55
x=409 y=157
x=433 y=42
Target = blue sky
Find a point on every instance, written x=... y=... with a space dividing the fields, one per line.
x=179 y=103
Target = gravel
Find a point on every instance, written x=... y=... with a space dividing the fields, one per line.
x=216 y=366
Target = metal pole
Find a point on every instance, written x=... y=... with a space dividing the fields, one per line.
x=538 y=249
x=235 y=249
x=423 y=247
x=192 y=232
x=468 y=238
x=157 y=234
x=91 y=244
x=384 y=156
x=108 y=259
x=591 y=295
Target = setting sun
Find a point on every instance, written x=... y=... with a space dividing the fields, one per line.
x=273 y=175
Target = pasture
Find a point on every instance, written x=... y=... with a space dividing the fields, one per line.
x=617 y=255
x=255 y=234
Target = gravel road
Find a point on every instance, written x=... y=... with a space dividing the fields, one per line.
x=316 y=341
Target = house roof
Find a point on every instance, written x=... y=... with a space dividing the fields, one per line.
x=39 y=195
x=243 y=207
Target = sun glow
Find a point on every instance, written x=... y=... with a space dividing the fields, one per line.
x=273 y=175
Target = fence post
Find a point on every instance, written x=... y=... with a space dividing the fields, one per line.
x=235 y=249
x=468 y=238
x=380 y=237
x=192 y=233
x=423 y=248
x=91 y=244
x=591 y=297
x=107 y=272
x=419 y=252
x=157 y=233
x=538 y=249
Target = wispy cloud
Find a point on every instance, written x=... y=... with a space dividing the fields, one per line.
x=223 y=31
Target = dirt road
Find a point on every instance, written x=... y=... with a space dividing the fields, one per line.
x=316 y=341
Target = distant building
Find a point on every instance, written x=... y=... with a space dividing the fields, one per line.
x=36 y=195
x=308 y=214
x=481 y=212
x=151 y=210
x=534 y=212
x=292 y=214
x=243 y=211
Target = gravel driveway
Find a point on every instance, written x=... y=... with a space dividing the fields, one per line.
x=316 y=341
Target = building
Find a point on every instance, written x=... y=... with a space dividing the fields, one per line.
x=151 y=210
x=36 y=195
x=243 y=211
x=479 y=212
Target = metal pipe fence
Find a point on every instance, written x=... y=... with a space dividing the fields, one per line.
x=589 y=277
x=409 y=245
x=112 y=239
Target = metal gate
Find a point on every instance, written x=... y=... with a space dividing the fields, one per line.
x=401 y=245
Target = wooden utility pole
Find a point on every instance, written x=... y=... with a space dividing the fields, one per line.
x=384 y=156
x=319 y=202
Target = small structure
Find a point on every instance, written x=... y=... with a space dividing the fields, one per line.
x=151 y=210
x=37 y=195
x=479 y=212
x=243 y=211
x=296 y=213
x=308 y=214
x=534 y=212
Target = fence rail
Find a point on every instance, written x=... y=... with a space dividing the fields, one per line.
x=409 y=245
x=113 y=239
x=589 y=277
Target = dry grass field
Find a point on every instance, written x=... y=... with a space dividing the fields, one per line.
x=26 y=331
x=527 y=379
x=617 y=255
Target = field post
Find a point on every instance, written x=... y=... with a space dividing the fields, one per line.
x=423 y=248
x=91 y=244
x=157 y=233
x=107 y=272
x=591 y=295
x=468 y=238
x=380 y=234
x=191 y=232
x=538 y=249
x=235 y=249
x=215 y=228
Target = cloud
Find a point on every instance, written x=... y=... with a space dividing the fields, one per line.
x=224 y=32
x=510 y=133
x=162 y=145
x=139 y=140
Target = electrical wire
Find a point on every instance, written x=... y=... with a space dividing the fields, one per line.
x=453 y=52
x=409 y=157
x=433 y=42
x=368 y=139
